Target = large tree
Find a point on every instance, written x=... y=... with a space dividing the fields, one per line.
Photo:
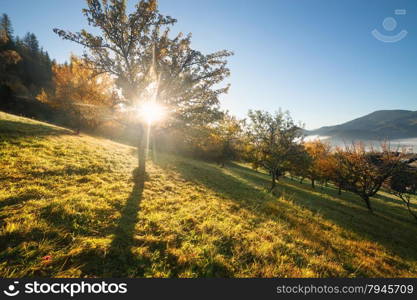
x=275 y=142
x=137 y=50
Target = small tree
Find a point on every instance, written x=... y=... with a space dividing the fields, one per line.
x=227 y=133
x=331 y=171
x=220 y=141
x=403 y=184
x=363 y=171
x=275 y=142
x=299 y=167
x=319 y=153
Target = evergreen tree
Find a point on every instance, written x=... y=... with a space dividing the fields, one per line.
x=8 y=59
x=31 y=42
x=25 y=68
x=6 y=29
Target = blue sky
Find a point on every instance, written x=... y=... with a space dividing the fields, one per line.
x=315 y=58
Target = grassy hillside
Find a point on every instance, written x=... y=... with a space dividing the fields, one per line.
x=69 y=208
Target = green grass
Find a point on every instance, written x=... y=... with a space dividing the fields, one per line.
x=69 y=207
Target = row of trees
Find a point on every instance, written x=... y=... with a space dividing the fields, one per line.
x=275 y=143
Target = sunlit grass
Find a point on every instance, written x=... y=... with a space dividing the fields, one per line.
x=69 y=208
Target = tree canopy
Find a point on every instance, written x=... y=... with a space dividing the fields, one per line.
x=363 y=171
x=136 y=48
x=275 y=141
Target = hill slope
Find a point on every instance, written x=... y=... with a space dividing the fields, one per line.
x=383 y=124
x=69 y=208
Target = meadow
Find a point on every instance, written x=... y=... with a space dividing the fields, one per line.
x=70 y=207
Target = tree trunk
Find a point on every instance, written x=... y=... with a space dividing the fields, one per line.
x=340 y=190
x=142 y=153
x=273 y=183
x=368 y=203
x=313 y=183
x=411 y=212
x=407 y=203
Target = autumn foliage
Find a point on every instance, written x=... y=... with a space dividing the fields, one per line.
x=85 y=96
x=319 y=167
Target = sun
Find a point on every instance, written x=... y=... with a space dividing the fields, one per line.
x=151 y=112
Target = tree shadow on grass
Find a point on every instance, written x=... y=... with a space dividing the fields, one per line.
x=216 y=179
x=19 y=199
x=396 y=201
x=12 y=240
x=321 y=195
x=120 y=253
x=390 y=225
x=247 y=188
x=119 y=261
x=116 y=260
x=10 y=129
x=69 y=171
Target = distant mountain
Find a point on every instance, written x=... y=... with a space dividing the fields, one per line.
x=379 y=125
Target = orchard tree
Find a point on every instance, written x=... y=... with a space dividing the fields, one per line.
x=227 y=134
x=332 y=171
x=300 y=167
x=148 y=65
x=319 y=153
x=220 y=141
x=275 y=142
x=403 y=184
x=363 y=171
